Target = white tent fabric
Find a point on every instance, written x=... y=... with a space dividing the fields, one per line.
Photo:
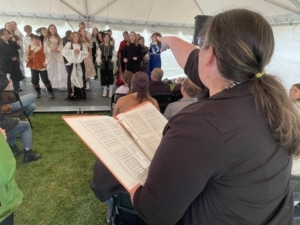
x=170 y=17
x=167 y=13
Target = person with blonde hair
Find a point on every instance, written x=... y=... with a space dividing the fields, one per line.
x=226 y=159
x=55 y=63
x=189 y=92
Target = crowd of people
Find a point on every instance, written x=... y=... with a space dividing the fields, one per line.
x=222 y=159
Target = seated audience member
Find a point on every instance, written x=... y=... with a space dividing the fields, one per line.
x=126 y=86
x=28 y=100
x=139 y=93
x=189 y=91
x=294 y=94
x=11 y=196
x=15 y=127
x=156 y=85
x=103 y=184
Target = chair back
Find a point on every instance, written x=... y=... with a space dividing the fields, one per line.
x=163 y=100
x=123 y=212
x=8 y=97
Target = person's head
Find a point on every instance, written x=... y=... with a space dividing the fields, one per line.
x=75 y=37
x=106 y=38
x=44 y=31
x=9 y=26
x=154 y=37
x=15 y=25
x=141 y=41
x=36 y=40
x=126 y=77
x=95 y=31
x=28 y=29
x=236 y=47
x=52 y=30
x=109 y=31
x=125 y=35
x=157 y=74
x=68 y=34
x=240 y=51
x=139 y=85
x=100 y=36
x=132 y=38
x=81 y=25
x=4 y=34
x=294 y=92
x=189 y=88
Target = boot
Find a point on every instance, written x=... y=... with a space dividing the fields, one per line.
x=104 y=91
x=83 y=93
x=87 y=84
x=50 y=90
x=38 y=90
x=110 y=90
x=15 y=150
x=30 y=156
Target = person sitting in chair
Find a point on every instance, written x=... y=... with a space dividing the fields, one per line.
x=189 y=91
x=157 y=85
x=27 y=100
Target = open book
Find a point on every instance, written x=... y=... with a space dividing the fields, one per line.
x=125 y=144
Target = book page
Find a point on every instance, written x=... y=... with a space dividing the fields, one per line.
x=113 y=146
x=145 y=123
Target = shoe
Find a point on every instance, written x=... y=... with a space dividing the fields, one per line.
x=23 y=117
x=30 y=156
x=104 y=92
x=52 y=95
x=38 y=95
x=15 y=150
x=87 y=85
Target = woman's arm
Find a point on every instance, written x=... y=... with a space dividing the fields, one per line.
x=180 y=48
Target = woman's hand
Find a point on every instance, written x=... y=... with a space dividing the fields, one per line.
x=2 y=131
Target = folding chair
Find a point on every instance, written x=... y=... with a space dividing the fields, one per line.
x=163 y=100
x=123 y=212
x=9 y=97
x=114 y=100
x=295 y=184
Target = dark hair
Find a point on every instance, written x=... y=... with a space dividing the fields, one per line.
x=2 y=31
x=243 y=45
x=139 y=85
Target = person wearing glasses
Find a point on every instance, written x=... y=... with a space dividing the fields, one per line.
x=226 y=159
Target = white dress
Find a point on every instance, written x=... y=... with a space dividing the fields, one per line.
x=76 y=60
x=56 y=67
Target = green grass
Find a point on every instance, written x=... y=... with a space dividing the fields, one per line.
x=56 y=187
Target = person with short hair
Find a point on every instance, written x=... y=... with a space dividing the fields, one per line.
x=156 y=85
x=189 y=91
x=35 y=59
x=226 y=159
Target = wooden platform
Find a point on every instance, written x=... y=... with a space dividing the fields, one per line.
x=94 y=102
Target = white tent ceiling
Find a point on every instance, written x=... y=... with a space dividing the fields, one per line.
x=168 y=13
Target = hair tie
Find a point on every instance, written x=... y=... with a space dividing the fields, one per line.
x=260 y=74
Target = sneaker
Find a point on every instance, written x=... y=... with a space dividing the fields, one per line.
x=87 y=85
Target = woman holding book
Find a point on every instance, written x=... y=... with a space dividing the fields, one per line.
x=226 y=159
x=103 y=183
